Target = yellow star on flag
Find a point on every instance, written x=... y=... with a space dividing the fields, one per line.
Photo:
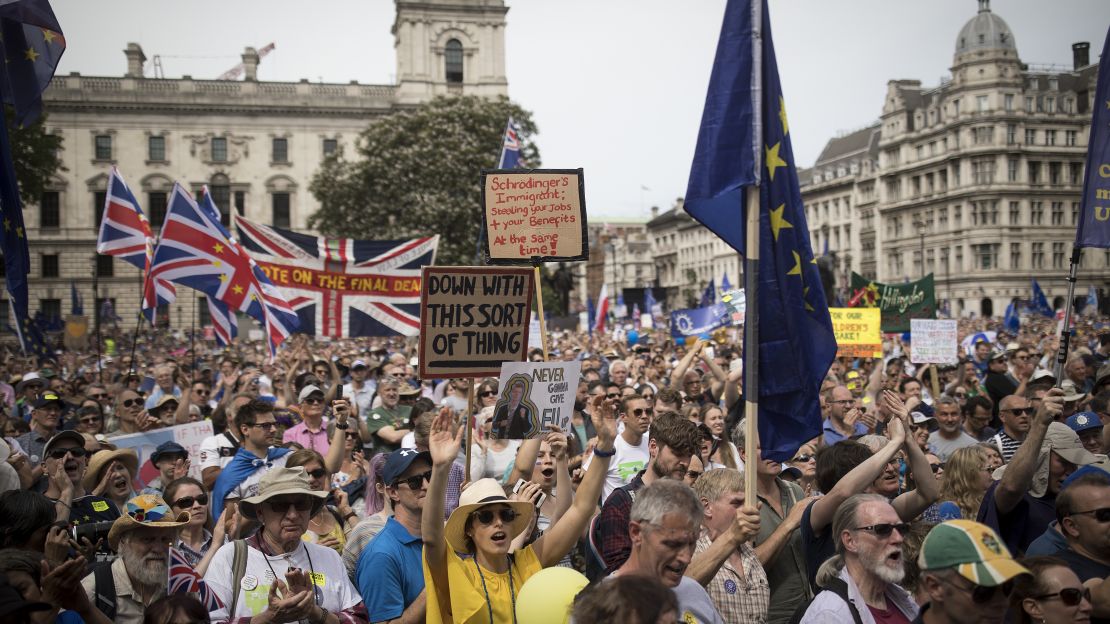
x=254 y=297
x=773 y=160
x=218 y=248
x=797 y=270
x=778 y=221
x=7 y=225
x=217 y=263
x=31 y=55
x=19 y=232
x=223 y=277
x=782 y=116
x=238 y=289
x=48 y=35
x=805 y=293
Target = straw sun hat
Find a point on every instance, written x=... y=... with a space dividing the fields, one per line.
x=281 y=481
x=481 y=493
x=102 y=459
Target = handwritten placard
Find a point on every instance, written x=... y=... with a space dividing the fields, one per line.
x=538 y=215
x=189 y=435
x=933 y=341
x=534 y=395
x=472 y=319
x=857 y=332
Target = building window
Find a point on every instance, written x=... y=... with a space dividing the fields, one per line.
x=983 y=135
x=1054 y=176
x=50 y=213
x=986 y=256
x=942 y=219
x=959 y=257
x=1074 y=213
x=1008 y=102
x=156 y=148
x=1050 y=105
x=99 y=197
x=1075 y=173
x=1036 y=213
x=104 y=266
x=156 y=206
x=1011 y=134
x=1028 y=104
x=240 y=202
x=281 y=210
x=219 y=149
x=331 y=146
x=1012 y=169
x=1069 y=138
x=1067 y=106
x=981 y=103
x=1015 y=255
x=1030 y=136
x=1057 y=255
x=1034 y=173
x=1015 y=213
x=280 y=150
x=50 y=265
x=453 y=54
x=51 y=309
x=1050 y=137
x=1057 y=213
x=103 y=147
x=204 y=317
x=221 y=196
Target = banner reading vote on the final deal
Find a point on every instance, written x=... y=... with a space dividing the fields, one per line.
x=472 y=319
x=537 y=215
x=534 y=396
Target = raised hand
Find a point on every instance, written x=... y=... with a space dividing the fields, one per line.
x=746 y=524
x=181 y=468
x=558 y=442
x=1052 y=405
x=894 y=404
x=61 y=585
x=56 y=548
x=604 y=417
x=445 y=439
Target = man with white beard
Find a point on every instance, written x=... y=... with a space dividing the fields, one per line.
x=861 y=580
x=141 y=536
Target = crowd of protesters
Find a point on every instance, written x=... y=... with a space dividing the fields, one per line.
x=338 y=487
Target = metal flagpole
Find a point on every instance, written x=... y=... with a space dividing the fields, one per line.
x=751 y=264
x=1065 y=335
x=468 y=422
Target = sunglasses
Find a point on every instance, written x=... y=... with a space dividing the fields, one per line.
x=803 y=458
x=132 y=402
x=98 y=396
x=281 y=507
x=981 y=594
x=936 y=467
x=186 y=502
x=487 y=393
x=77 y=452
x=91 y=420
x=313 y=400
x=1070 y=596
x=1028 y=411
x=318 y=473
x=885 y=529
x=1101 y=515
x=640 y=411
x=268 y=426
x=613 y=395
x=416 y=481
x=648 y=397
x=485 y=516
x=201 y=391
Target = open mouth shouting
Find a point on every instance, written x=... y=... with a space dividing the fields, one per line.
x=119 y=484
x=72 y=468
x=548 y=473
x=500 y=539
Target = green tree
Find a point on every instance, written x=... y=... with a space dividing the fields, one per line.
x=35 y=154
x=416 y=173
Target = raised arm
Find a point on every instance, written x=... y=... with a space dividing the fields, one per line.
x=732 y=388
x=1019 y=473
x=336 y=380
x=443 y=444
x=719 y=376
x=525 y=460
x=768 y=549
x=334 y=461
x=561 y=537
x=680 y=369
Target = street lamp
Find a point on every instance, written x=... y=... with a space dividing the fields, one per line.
x=919 y=225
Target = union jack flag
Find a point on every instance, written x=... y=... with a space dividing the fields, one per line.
x=183 y=579
x=341 y=287
x=223 y=322
x=197 y=251
x=510 y=148
x=125 y=233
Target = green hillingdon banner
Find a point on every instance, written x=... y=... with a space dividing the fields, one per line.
x=898 y=303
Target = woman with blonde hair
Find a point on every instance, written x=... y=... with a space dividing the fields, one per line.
x=967 y=475
x=713 y=417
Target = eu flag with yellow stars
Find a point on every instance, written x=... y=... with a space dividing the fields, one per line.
x=744 y=140
x=32 y=46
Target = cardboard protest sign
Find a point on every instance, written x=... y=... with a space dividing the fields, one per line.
x=933 y=341
x=857 y=332
x=899 y=302
x=189 y=435
x=534 y=395
x=536 y=215
x=472 y=319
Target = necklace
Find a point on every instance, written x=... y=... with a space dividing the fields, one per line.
x=288 y=560
x=512 y=592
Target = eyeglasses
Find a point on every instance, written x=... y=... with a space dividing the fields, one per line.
x=1028 y=411
x=132 y=402
x=318 y=473
x=90 y=420
x=486 y=394
x=313 y=400
x=352 y=436
x=186 y=502
x=842 y=402
x=981 y=594
x=648 y=397
x=936 y=467
x=885 y=529
x=640 y=411
x=1101 y=515
x=415 y=482
x=803 y=458
x=301 y=504
x=613 y=395
x=1070 y=596
x=98 y=396
x=58 y=453
x=485 y=516
x=201 y=391
x=268 y=426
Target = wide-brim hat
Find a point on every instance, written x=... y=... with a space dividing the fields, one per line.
x=407 y=390
x=278 y=482
x=481 y=493
x=145 y=510
x=972 y=549
x=102 y=459
x=1071 y=391
x=28 y=379
x=1064 y=442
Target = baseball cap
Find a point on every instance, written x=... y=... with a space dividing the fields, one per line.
x=972 y=549
x=62 y=436
x=998 y=355
x=307 y=391
x=919 y=418
x=358 y=364
x=167 y=448
x=1083 y=421
x=46 y=399
x=399 y=461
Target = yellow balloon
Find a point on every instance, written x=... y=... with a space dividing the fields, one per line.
x=548 y=596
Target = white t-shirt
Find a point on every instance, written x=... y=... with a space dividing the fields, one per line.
x=335 y=591
x=408 y=441
x=362 y=398
x=249 y=486
x=210 y=455
x=625 y=464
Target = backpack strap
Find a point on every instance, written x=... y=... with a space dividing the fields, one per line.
x=840 y=588
x=238 y=570
x=231 y=439
x=105 y=590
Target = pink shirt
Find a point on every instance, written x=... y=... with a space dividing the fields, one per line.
x=317 y=441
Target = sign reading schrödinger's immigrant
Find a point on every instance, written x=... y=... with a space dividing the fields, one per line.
x=472 y=319
x=536 y=215
x=534 y=396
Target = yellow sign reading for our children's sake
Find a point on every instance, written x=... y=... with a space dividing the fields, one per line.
x=857 y=331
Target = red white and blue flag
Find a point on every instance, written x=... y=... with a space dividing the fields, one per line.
x=602 y=308
x=183 y=579
x=224 y=323
x=510 y=148
x=342 y=287
x=125 y=233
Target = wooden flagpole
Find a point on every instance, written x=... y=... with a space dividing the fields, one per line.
x=751 y=343
x=468 y=422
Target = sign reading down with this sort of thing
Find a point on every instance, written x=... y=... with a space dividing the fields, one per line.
x=536 y=215
x=472 y=319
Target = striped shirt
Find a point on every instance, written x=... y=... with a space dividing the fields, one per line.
x=1007 y=445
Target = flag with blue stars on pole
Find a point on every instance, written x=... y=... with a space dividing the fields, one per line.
x=1093 y=229
x=744 y=140
x=32 y=46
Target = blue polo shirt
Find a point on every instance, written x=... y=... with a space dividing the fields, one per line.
x=389 y=574
x=832 y=436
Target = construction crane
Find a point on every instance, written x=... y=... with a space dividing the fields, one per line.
x=236 y=71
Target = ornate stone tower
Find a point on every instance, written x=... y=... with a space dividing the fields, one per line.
x=449 y=46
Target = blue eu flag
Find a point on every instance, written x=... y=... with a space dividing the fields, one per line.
x=796 y=341
x=1094 y=206
x=1040 y=301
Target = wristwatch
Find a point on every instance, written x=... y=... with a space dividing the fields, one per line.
x=342 y=426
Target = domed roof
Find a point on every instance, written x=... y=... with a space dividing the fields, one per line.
x=985 y=31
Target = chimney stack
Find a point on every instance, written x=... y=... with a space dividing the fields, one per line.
x=250 y=64
x=654 y=211
x=135 y=60
x=1081 y=54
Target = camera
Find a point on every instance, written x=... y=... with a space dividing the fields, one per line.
x=92 y=531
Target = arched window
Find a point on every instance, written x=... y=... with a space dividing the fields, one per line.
x=453 y=53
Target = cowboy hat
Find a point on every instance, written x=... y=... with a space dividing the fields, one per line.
x=145 y=510
x=281 y=481
x=102 y=459
x=481 y=493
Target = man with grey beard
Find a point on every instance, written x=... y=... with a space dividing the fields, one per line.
x=860 y=582
x=141 y=536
